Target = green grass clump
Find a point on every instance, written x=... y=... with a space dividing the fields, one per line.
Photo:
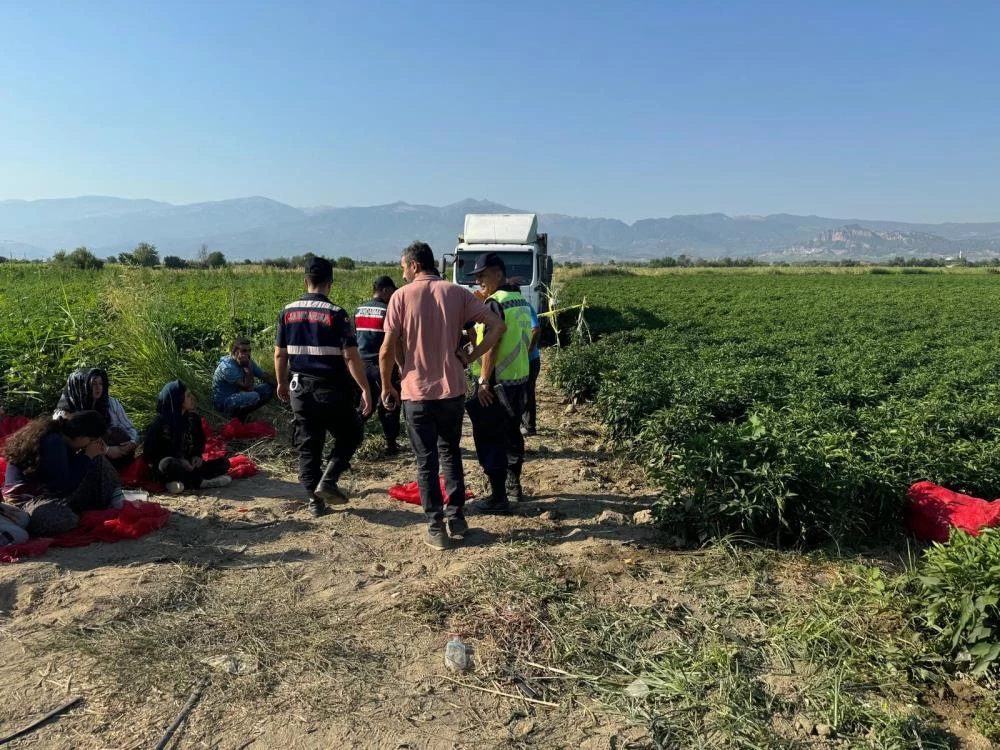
x=958 y=586
x=741 y=647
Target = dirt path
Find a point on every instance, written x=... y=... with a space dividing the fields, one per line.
x=314 y=636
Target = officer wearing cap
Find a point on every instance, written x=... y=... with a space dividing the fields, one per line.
x=499 y=399
x=315 y=359
x=369 y=323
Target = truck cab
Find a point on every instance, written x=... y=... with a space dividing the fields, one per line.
x=515 y=238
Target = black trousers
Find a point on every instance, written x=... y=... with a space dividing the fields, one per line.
x=435 y=431
x=388 y=419
x=496 y=429
x=319 y=409
x=171 y=470
x=531 y=405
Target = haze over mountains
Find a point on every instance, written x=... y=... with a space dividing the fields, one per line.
x=258 y=227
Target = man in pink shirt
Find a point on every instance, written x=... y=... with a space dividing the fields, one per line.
x=423 y=330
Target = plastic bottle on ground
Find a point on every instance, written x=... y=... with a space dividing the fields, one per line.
x=456 y=655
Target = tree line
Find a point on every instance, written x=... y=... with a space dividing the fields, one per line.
x=145 y=255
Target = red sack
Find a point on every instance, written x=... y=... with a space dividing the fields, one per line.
x=933 y=510
x=234 y=429
x=136 y=473
x=132 y=521
x=12 y=553
x=9 y=425
x=215 y=446
x=410 y=493
x=241 y=467
x=136 y=520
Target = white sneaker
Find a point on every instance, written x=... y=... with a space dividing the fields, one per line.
x=175 y=488
x=224 y=481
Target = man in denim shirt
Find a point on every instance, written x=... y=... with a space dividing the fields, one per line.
x=233 y=390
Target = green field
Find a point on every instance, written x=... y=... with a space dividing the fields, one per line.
x=794 y=407
x=146 y=326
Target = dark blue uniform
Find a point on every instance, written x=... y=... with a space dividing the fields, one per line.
x=315 y=332
x=369 y=322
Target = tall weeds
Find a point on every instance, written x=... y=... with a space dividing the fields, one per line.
x=142 y=355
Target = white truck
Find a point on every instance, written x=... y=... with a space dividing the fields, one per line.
x=515 y=238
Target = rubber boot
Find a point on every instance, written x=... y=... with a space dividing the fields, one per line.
x=497 y=504
x=513 y=484
x=327 y=490
x=317 y=507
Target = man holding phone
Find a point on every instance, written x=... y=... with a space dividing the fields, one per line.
x=423 y=328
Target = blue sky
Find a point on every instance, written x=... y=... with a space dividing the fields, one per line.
x=624 y=109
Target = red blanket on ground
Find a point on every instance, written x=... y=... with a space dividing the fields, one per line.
x=131 y=522
x=934 y=511
x=410 y=493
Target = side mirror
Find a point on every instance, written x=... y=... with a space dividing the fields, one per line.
x=446 y=259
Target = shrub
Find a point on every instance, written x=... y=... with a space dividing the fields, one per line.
x=958 y=593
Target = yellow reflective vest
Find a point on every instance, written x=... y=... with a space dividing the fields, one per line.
x=512 y=356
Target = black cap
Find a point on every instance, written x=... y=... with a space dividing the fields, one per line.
x=319 y=269
x=384 y=282
x=489 y=260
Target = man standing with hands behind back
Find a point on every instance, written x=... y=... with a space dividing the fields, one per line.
x=315 y=358
x=424 y=321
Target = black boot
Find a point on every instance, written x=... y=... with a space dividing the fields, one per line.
x=327 y=490
x=513 y=484
x=497 y=504
x=317 y=507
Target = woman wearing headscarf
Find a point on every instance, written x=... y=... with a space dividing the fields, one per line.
x=175 y=442
x=56 y=469
x=88 y=389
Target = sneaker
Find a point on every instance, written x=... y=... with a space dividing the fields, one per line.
x=330 y=493
x=493 y=508
x=457 y=527
x=175 y=488
x=391 y=450
x=435 y=538
x=524 y=431
x=317 y=507
x=224 y=481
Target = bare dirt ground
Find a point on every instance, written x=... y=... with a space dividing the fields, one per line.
x=307 y=628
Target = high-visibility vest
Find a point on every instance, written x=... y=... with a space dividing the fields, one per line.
x=512 y=356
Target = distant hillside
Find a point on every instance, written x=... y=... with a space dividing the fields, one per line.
x=258 y=227
x=861 y=243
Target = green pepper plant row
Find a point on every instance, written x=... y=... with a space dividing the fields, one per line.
x=794 y=408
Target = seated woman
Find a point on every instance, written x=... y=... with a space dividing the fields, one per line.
x=88 y=389
x=175 y=442
x=56 y=469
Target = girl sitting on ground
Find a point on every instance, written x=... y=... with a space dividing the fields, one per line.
x=88 y=389
x=175 y=441
x=56 y=469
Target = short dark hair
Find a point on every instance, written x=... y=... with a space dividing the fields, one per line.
x=242 y=341
x=319 y=271
x=383 y=282
x=421 y=253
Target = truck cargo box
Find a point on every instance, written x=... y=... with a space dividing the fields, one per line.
x=500 y=229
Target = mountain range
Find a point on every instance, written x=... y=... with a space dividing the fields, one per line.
x=259 y=227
